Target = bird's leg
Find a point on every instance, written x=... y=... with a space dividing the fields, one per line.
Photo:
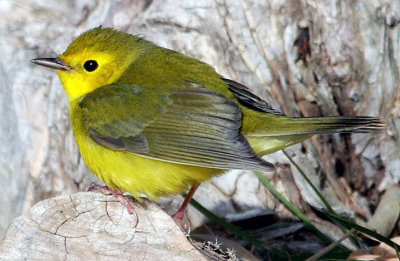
x=178 y=216
x=116 y=193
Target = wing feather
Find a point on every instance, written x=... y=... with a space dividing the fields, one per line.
x=248 y=99
x=192 y=126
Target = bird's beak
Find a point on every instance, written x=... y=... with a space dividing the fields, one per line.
x=53 y=63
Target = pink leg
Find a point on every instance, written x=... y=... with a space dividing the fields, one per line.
x=116 y=193
x=178 y=216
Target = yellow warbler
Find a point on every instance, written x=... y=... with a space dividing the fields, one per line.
x=151 y=120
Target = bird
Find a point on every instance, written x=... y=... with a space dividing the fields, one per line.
x=150 y=120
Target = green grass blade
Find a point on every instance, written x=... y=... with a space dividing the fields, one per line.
x=291 y=207
x=350 y=224
x=320 y=196
x=226 y=225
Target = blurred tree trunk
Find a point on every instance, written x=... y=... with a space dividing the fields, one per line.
x=306 y=58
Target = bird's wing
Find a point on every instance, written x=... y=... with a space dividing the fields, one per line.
x=192 y=125
x=248 y=99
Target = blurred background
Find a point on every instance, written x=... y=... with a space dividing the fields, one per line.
x=306 y=58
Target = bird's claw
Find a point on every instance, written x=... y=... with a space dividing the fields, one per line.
x=116 y=193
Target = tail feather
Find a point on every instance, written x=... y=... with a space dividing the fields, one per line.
x=322 y=125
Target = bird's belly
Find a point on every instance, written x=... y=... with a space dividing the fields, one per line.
x=136 y=174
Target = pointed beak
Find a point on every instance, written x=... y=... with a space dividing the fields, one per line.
x=53 y=63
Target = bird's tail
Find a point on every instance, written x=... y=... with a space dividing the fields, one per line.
x=286 y=131
x=323 y=125
x=343 y=124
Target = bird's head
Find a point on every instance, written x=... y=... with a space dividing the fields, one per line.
x=96 y=58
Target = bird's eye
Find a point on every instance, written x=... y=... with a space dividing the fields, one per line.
x=90 y=65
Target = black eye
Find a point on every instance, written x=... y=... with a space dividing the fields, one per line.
x=90 y=65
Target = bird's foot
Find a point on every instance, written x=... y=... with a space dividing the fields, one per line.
x=103 y=189
x=178 y=217
x=116 y=193
x=127 y=203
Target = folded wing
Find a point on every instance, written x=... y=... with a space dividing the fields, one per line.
x=191 y=125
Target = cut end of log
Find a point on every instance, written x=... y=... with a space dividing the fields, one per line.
x=88 y=226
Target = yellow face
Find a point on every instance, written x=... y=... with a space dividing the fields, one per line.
x=90 y=70
x=94 y=59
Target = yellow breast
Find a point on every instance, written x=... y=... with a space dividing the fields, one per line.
x=132 y=173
